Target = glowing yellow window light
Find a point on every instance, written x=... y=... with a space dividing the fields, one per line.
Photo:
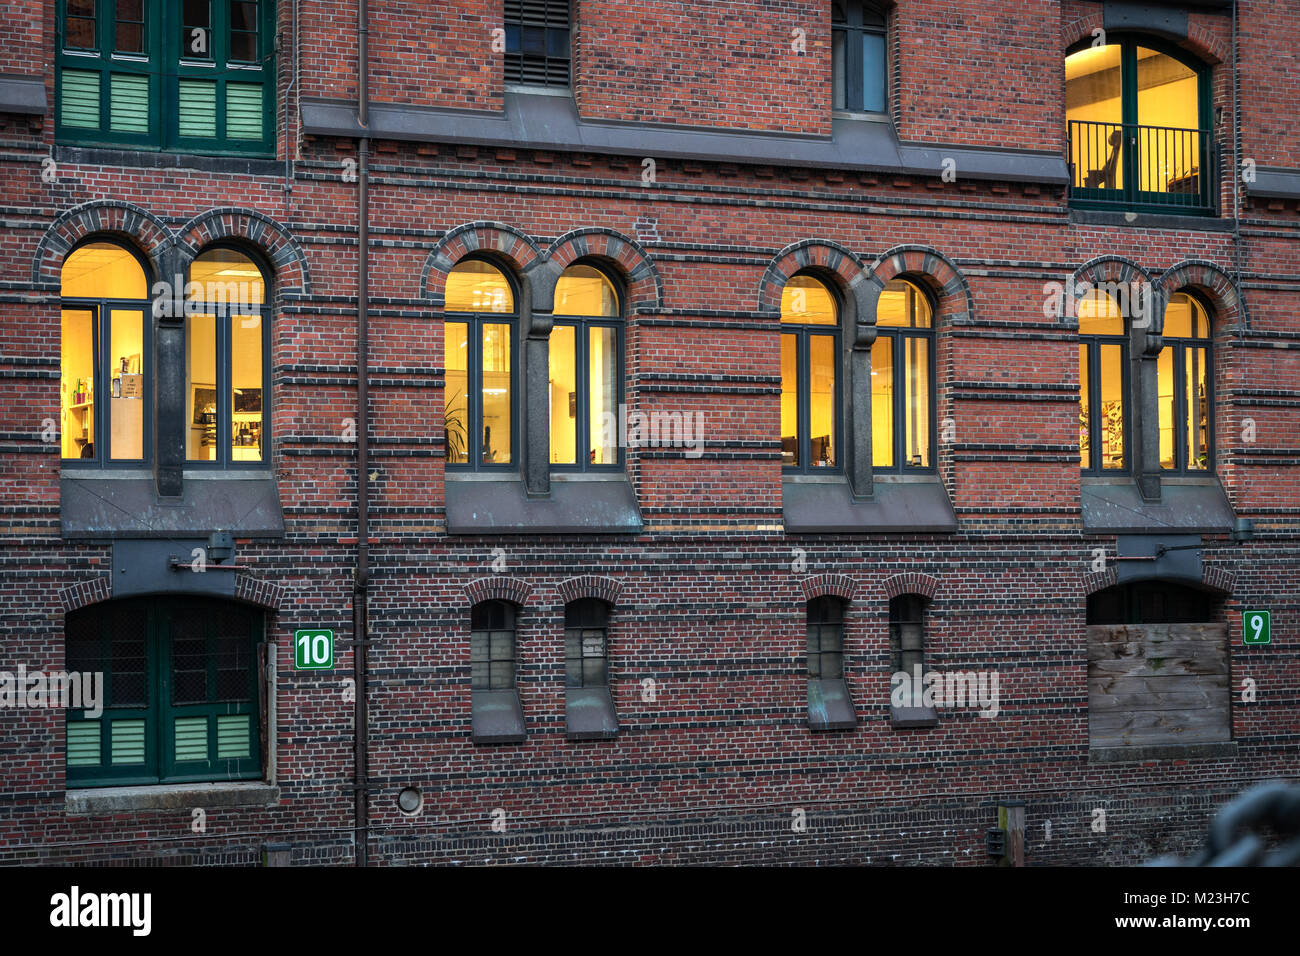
x=477 y=286
x=806 y=300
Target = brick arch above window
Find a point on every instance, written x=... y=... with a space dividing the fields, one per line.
x=497 y=238
x=1113 y=270
x=589 y=586
x=497 y=588
x=828 y=585
x=1096 y=581
x=259 y=230
x=248 y=589
x=930 y=268
x=644 y=285
x=820 y=255
x=1213 y=283
x=912 y=582
x=114 y=220
x=1198 y=41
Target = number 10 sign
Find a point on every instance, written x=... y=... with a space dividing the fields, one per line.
x=313 y=650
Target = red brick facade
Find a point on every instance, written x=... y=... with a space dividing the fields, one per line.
x=707 y=629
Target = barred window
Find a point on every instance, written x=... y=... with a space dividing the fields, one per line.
x=586 y=655
x=492 y=646
x=537 y=42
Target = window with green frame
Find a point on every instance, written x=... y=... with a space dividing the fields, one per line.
x=194 y=75
x=180 y=692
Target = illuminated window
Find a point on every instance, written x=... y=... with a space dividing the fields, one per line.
x=902 y=380
x=859 y=63
x=1184 y=381
x=226 y=372
x=478 y=343
x=106 y=388
x=586 y=370
x=810 y=339
x=1138 y=120
x=1103 y=383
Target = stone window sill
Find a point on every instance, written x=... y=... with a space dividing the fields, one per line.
x=182 y=796
x=912 y=717
x=1221 y=750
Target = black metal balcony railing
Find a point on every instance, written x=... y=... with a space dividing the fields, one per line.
x=1132 y=167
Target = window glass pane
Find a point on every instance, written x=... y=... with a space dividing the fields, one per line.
x=1093 y=112
x=243 y=30
x=873 y=72
x=821 y=394
x=882 y=402
x=246 y=398
x=1085 y=452
x=228 y=280
x=789 y=400
x=201 y=387
x=1111 y=407
x=1196 y=362
x=77 y=384
x=196 y=30
x=1166 y=406
x=475 y=286
x=582 y=290
x=807 y=301
x=1178 y=317
x=128 y=658
x=496 y=394
x=234 y=655
x=129 y=35
x=602 y=376
x=103 y=270
x=564 y=395
x=1099 y=314
x=832 y=665
x=916 y=413
x=1167 y=98
x=189 y=657
x=126 y=384
x=79 y=28
x=456 y=410
x=501 y=675
x=838 y=67
x=902 y=305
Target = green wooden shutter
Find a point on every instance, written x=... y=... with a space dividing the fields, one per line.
x=80 y=106
x=129 y=103
x=243 y=111
x=83 y=743
x=232 y=736
x=198 y=108
x=126 y=739
x=191 y=738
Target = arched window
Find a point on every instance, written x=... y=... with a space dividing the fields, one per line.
x=227 y=375
x=586 y=370
x=829 y=704
x=902 y=380
x=810 y=348
x=478 y=342
x=1137 y=112
x=106 y=385
x=179 y=690
x=497 y=714
x=1104 y=423
x=1184 y=377
x=1150 y=602
x=907 y=633
x=859 y=62
x=588 y=704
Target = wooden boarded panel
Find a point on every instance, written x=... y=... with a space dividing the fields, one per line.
x=1152 y=684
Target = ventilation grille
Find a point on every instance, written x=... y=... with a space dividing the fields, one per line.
x=537 y=42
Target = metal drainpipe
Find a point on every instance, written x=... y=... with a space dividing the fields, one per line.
x=1236 y=169
x=360 y=630
x=288 y=95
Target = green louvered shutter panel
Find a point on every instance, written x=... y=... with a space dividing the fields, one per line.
x=83 y=743
x=232 y=736
x=129 y=103
x=191 y=738
x=126 y=738
x=243 y=111
x=198 y=108
x=80 y=107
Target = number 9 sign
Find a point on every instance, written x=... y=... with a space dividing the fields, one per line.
x=1256 y=627
x=313 y=650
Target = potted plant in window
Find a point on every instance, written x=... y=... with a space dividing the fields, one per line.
x=456 y=431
